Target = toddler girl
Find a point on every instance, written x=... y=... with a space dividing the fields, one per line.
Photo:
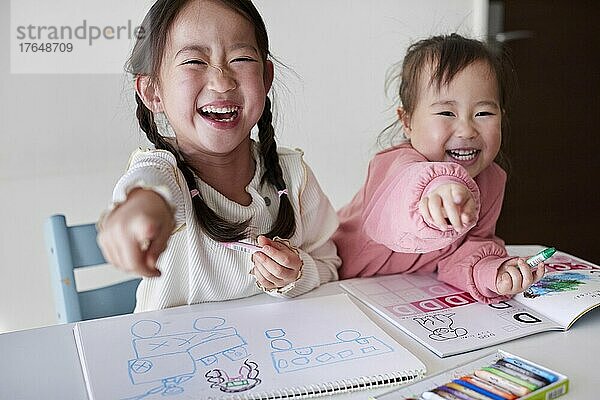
x=431 y=202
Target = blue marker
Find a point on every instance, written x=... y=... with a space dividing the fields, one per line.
x=544 y=374
x=541 y=257
x=478 y=389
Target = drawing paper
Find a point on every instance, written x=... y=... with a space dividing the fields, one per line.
x=297 y=347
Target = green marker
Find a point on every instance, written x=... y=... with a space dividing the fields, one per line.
x=541 y=256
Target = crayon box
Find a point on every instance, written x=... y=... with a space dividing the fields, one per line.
x=538 y=382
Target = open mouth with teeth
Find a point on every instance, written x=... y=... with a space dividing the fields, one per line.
x=463 y=154
x=220 y=114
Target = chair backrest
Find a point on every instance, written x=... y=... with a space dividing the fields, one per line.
x=71 y=247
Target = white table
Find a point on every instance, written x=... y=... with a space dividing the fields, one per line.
x=43 y=363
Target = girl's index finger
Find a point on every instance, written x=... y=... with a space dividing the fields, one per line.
x=539 y=271
x=451 y=211
x=457 y=196
x=453 y=214
x=281 y=254
x=134 y=259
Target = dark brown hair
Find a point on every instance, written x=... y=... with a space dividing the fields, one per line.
x=146 y=59
x=447 y=55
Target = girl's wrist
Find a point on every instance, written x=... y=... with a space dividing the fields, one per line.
x=284 y=289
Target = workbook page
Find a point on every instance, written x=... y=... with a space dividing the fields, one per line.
x=443 y=318
x=570 y=288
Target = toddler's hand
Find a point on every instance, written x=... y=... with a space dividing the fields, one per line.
x=276 y=265
x=450 y=202
x=515 y=276
x=135 y=233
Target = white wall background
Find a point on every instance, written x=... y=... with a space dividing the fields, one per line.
x=66 y=138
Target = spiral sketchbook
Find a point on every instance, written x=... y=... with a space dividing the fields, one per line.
x=284 y=350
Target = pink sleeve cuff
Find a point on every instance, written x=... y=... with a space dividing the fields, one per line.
x=484 y=280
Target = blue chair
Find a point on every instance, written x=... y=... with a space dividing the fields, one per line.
x=71 y=247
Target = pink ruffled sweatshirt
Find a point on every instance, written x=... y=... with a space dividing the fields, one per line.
x=382 y=232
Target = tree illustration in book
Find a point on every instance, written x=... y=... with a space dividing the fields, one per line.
x=568 y=275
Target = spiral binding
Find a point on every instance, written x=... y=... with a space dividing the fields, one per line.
x=336 y=387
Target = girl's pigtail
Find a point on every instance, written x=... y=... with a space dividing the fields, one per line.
x=211 y=223
x=285 y=225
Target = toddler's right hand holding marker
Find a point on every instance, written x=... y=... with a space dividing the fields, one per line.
x=515 y=276
x=134 y=234
x=450 y=202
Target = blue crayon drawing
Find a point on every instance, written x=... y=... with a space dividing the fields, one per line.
x=172 y=359
x=350 y=345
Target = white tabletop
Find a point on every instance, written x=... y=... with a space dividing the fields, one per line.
x=43 y=363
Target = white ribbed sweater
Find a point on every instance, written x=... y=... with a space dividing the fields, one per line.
x=195 y=268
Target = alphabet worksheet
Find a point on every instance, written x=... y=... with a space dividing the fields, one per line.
x=450 y=321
